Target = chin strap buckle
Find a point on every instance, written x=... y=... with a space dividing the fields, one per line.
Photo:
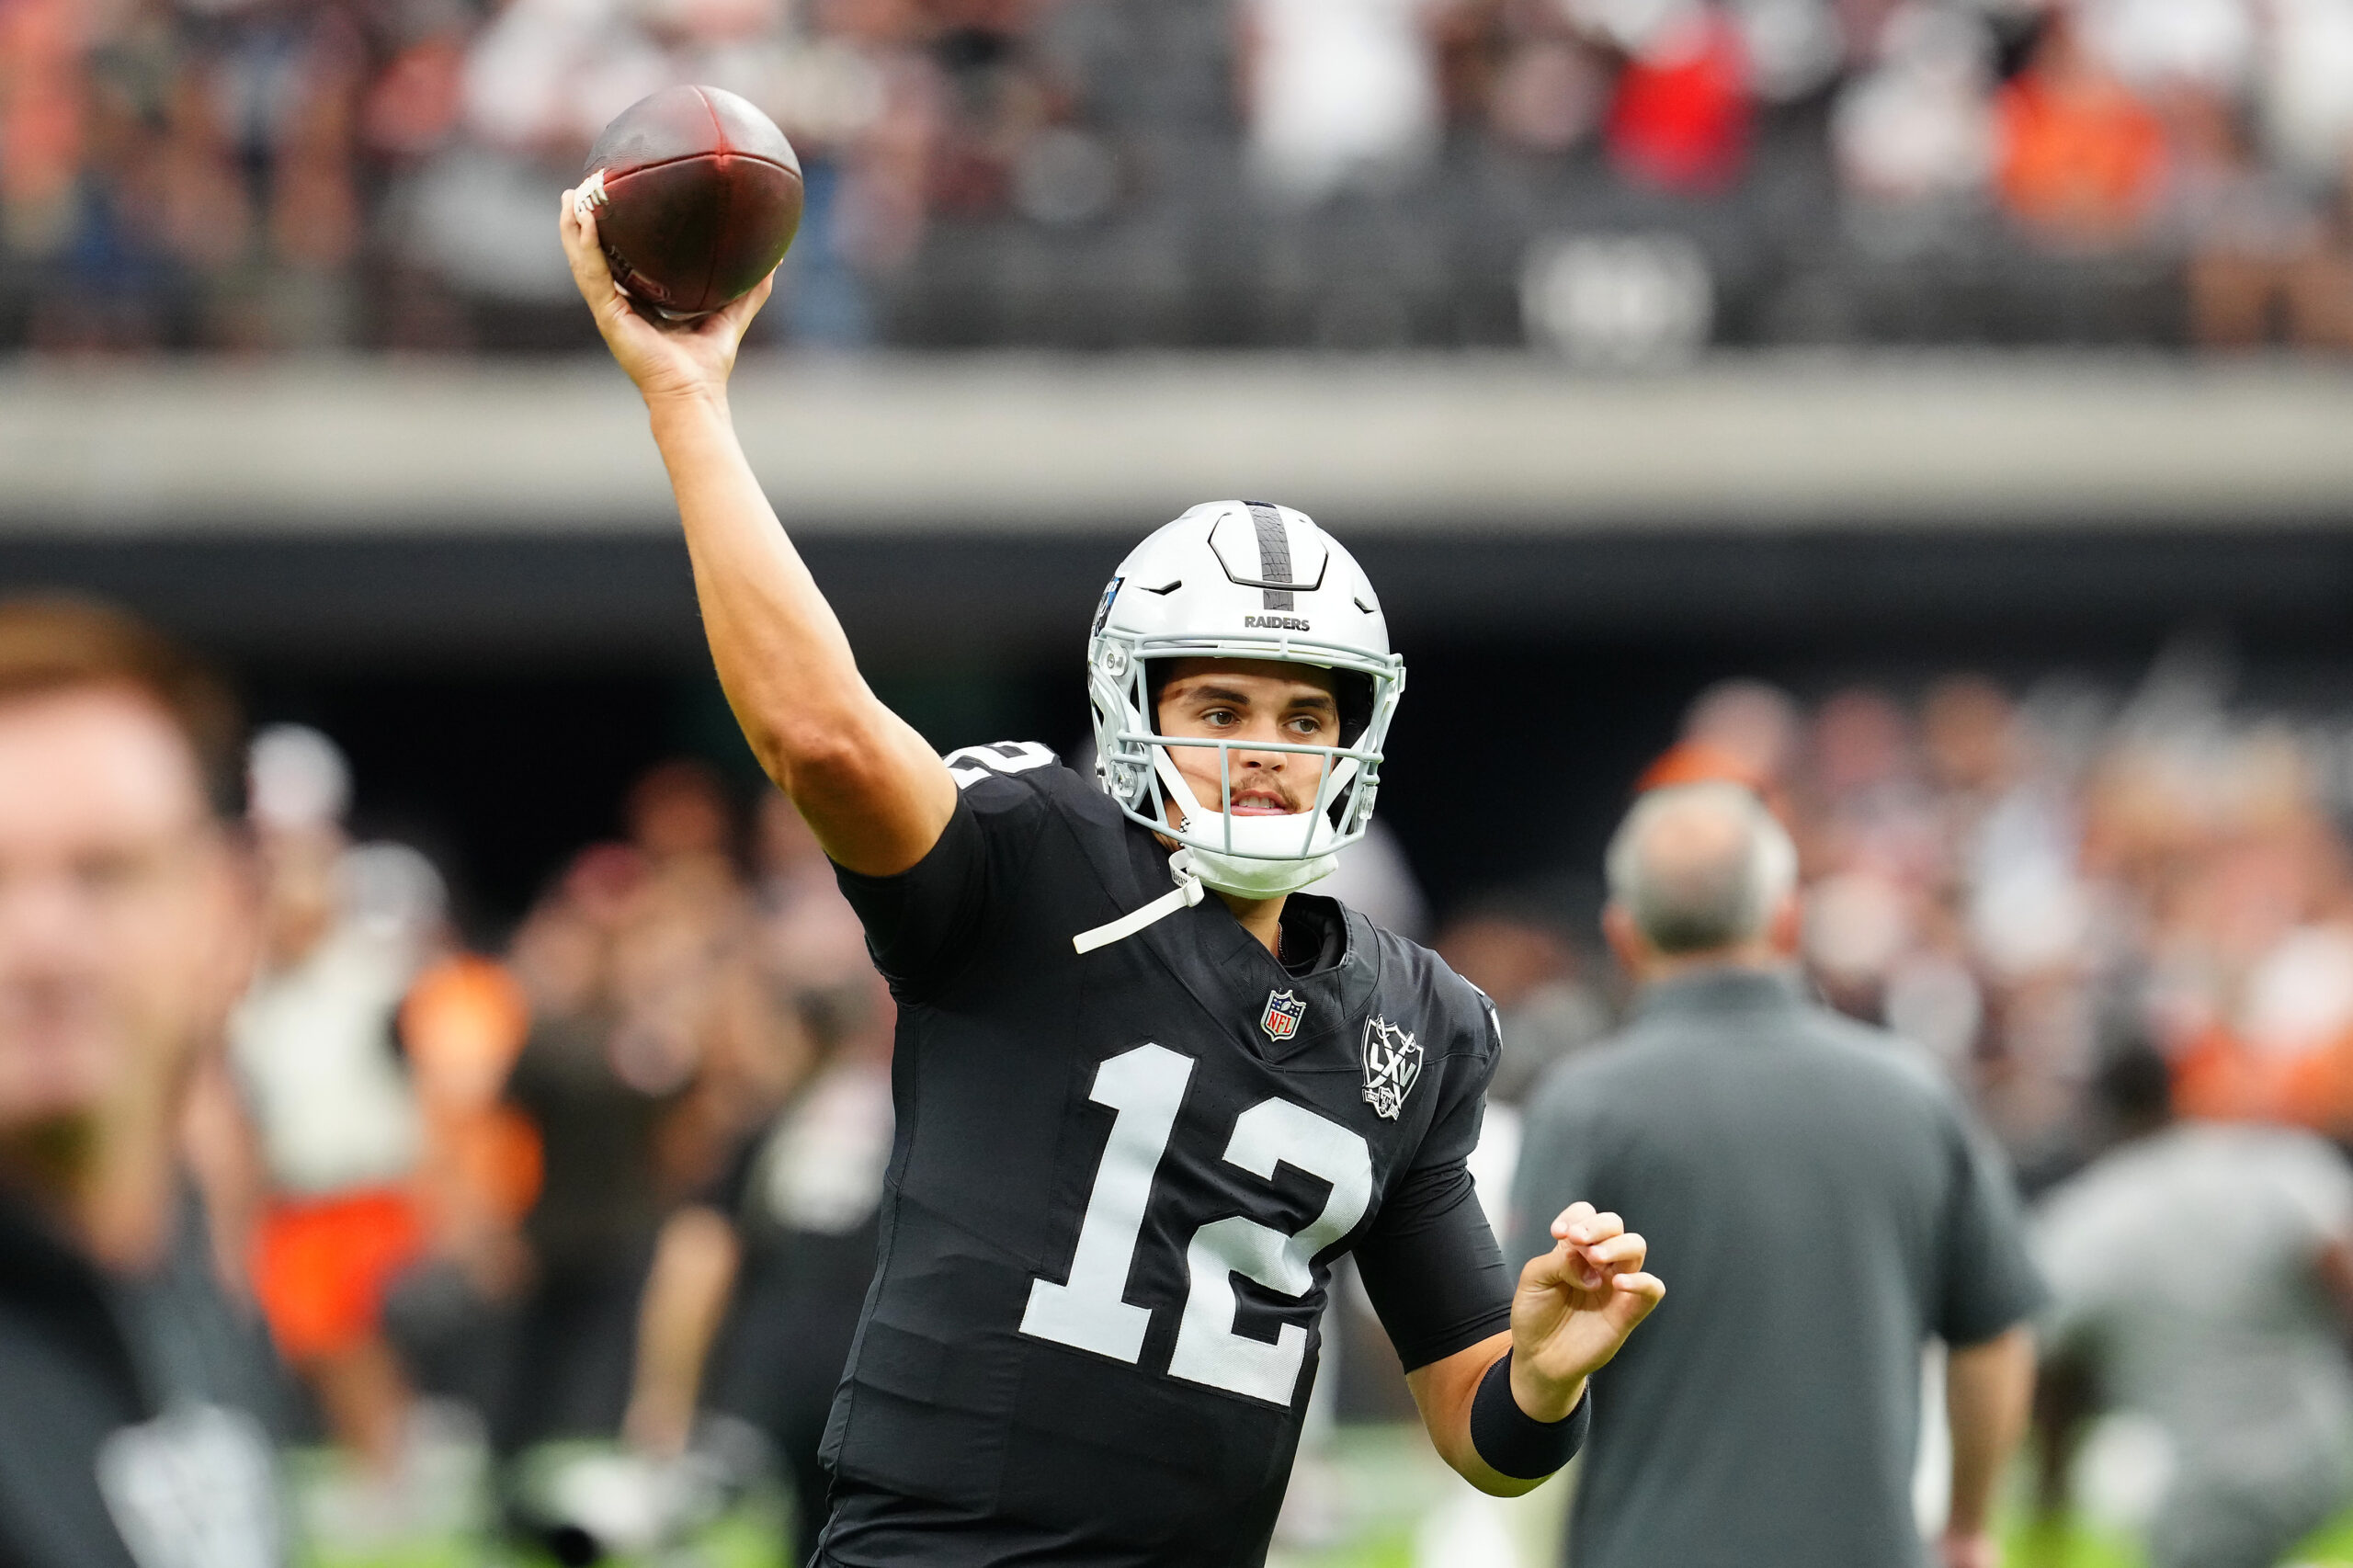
x=1184 y=895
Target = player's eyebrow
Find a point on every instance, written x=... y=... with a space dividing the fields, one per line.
x=1215 y=694
x=1320 y=700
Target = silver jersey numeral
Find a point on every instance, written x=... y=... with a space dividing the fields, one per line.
x=1145 y=1087
x=1089 y=1308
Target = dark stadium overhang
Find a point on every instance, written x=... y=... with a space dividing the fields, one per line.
x=912 y=597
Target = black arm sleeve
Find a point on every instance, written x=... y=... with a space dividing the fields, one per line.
x=1435 y=1276
x=1430 y=1261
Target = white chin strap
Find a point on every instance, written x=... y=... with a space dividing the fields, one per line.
x=1275 y=870
x=1265 y=861
x=1187 y=894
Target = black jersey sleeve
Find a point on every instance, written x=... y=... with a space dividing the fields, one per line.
x=1430 y=1261
x=923 y=924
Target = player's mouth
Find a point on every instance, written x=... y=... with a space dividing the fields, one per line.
x=1262 y=804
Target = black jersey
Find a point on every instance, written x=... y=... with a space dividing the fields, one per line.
x=135 y=1406
x=1119 y=1183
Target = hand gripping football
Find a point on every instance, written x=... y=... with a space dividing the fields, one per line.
x=697 y=196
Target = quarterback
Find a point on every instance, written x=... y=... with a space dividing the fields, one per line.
x=1148 y=1090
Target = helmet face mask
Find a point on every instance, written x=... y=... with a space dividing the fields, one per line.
x=1243 y=581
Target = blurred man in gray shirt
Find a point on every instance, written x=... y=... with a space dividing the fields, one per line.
x=1818 y=1194
x=2239 y=1356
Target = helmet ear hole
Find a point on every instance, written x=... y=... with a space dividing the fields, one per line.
x=1156 y=673
x=1353 y=689
x=1343 y=804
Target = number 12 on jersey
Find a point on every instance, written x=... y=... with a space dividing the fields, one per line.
x=1146 y=1088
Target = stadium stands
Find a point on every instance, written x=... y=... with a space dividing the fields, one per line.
x=1624 y=182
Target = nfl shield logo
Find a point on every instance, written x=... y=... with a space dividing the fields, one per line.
x=1283 y=1012
x=1392 y=1061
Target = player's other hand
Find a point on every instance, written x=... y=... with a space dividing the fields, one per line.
x=1574 y=1306
x=685 y=359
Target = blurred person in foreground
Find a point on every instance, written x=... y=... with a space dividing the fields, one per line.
x=2239 y=1353
x=131 y=1388
x=1825 y=1206
x=1041 y=1374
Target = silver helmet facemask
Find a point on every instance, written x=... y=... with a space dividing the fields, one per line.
x=1249 y=856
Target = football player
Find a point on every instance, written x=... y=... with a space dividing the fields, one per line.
x=1148 y=1091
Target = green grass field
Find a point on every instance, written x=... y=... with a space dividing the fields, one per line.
x=1388 y=1504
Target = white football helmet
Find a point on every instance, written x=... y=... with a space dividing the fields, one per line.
x=1241 y=580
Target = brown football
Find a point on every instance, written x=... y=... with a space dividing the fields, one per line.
x=697 y=196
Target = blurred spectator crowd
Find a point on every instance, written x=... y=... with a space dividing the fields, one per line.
x=2032 y=885
x=1621 y=180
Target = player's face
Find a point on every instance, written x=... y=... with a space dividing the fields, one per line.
x=1243 y=700
x=120 y=928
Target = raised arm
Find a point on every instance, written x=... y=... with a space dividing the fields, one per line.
x=868 y=785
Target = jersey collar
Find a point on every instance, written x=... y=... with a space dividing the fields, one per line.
x=1206 y=942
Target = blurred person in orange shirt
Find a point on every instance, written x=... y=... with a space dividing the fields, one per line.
x=135 y=1393
x=346 y=930
x=2080 y=159
x=478 y=1172
x=462 y=1024
x=43 y=83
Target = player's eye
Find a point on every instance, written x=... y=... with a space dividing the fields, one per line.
x=1220 y=717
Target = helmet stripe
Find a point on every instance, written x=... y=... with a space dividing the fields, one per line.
x=1274 y=552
